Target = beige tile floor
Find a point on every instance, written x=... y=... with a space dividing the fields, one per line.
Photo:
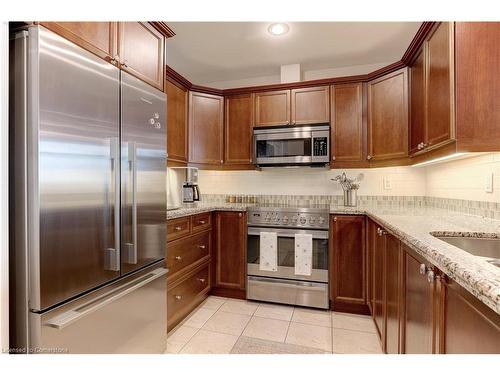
x=217 y=324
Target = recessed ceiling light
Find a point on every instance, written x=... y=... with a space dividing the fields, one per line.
x=278 y=28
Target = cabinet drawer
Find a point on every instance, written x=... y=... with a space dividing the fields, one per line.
x=186 y=251
x=183 y=295
x=177 y=228
x=201 y=222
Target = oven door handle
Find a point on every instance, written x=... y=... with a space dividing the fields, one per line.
x=290 y=233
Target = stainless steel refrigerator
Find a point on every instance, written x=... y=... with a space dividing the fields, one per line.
x=88 y=202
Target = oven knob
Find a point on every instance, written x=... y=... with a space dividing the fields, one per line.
x=312 y=220
x=294 y=220
x=285 y=219
x=276 y=219
x=321 y=220
x=302 y=220
x=267 y=218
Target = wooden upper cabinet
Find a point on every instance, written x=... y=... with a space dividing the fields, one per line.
x=388 y=116
x=99 y=38
x=439 y=87
x=348 y=264
x=419 y=307
x=348 y=136
x=230 y=250
x=310 y=105
x=238 y=129
x=477 y=61
x=142 y=51
x=272 y=108
x=177 y=121
x=206 y=138
x=417 y=103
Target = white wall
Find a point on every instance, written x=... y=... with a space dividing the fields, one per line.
x=310 y=181
x=4 y=208
x=465 y=178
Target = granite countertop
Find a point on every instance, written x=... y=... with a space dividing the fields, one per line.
x=413 y=226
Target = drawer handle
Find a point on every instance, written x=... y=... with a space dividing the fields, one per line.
x=202 y=281
x=178 y=298
x=178 y=257
x=202 y=246
x=178 y=228
x=202 y=222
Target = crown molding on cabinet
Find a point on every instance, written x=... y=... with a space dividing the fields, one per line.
x=407 y=57
x=163 y=28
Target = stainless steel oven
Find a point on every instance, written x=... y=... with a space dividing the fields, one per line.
x=298 y=145
x=283 y=285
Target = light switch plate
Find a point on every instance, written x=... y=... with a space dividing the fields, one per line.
x=387 y=183
x=488 y=183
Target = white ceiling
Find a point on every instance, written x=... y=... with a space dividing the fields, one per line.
x=207 y=52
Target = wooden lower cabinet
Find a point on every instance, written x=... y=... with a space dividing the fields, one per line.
x=469 y=326
x=393 y=295
x=348 y=264
x=230 y=252
x=185 y=293
x=379 y=305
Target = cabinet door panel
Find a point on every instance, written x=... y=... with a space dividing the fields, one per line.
x=393 y=293
x=238 y=129
x=477 y=85
x=205 y=128
x=419 y=313
x=439 y=85
x=348 y=263
x=230 y=250
x=177 y=134
x=141 y=51
x=310 y=105
x=379 y=270
x=347 y=123
x=417 y=103
x=272 y=108
x=388 y=116
x=96 y=37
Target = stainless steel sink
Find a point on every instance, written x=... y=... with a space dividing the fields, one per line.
x=482 y=247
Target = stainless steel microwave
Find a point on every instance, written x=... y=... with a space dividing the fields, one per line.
x=289 y=146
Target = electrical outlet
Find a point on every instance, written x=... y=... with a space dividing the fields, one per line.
x=387 y=183
x=488 y=183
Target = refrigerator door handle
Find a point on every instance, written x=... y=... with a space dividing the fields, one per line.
x=69 y=317
x=130 y=256
x=112 y=259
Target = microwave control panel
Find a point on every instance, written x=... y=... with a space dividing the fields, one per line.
x=320 y=146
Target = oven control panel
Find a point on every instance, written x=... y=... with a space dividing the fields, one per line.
x=315 y=218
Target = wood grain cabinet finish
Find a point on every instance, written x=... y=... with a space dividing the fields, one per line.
x=470 y=327
x=379 y=280
x=177 y=228
x=230 y=250
x=238 y=129
x=477 y=61
x=417 y=103
x=388 y=116
x=99 y=38
x=393 y=293
x=272 y=108
x=201 y=222
x=310 y=105
x=206 y=113
x=177 y=120
x=186 y=252
x=419 y=306
x=348 y=264
x=142 y=51
x=348 y=132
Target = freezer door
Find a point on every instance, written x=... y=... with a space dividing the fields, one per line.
x=143 y=176
x=72 y=169
x=127 y=316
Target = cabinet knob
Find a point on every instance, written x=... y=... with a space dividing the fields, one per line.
x=202 y=281
x=222 y=161
x=424 y=145
x=178 y=298
x=202 y=246
x=202 y=222
x=178 y=228
x=368 y=157
x=178 y=257
x=335 y=218
x=240 y=214
x=333 y=158
x=430 y=276
x=423 y=269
